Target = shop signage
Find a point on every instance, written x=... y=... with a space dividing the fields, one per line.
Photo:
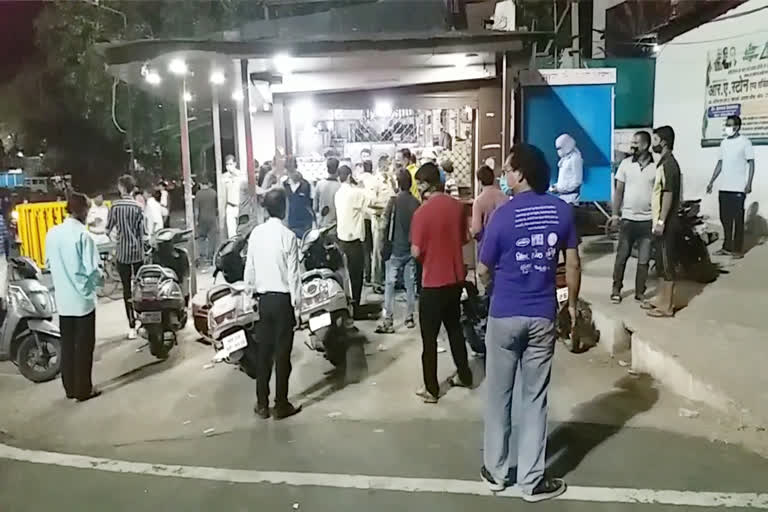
x=737 y=84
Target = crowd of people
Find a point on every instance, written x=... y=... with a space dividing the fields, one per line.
x=408 y=221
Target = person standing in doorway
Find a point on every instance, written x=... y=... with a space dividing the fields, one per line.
x=74 y=264
x=438 y=233
x=299 y=193
x=737 y=167
x=522 y=243
x=397 y=232
x=351 y=203
x=233 y=185
x=126 y=218
x=664 y=205
x=206 y=203
x=325 y=191
x=632 y=209
x=571 y=170
x=272 y=273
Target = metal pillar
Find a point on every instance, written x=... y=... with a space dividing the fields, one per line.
x=221 y=193
x=248 y=126
x=575 y=39
x=186 y=168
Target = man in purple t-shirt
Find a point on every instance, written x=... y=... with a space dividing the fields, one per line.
x=521 y=245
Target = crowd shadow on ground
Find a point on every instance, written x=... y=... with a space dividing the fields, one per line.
x=571 y=442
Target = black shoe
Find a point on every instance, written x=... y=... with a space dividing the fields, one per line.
x=281 y=412
x=493 y=485
x=93 y=394
x=546 y=490
x=262 y=411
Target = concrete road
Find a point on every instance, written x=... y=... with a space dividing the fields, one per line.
x=147 y=443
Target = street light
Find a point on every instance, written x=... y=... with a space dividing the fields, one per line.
x=238 y=95
x=187 y=96
x=283 y=63
x=218 y=78
x=178 y=67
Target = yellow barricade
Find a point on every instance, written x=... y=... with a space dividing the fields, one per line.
x=35 y=219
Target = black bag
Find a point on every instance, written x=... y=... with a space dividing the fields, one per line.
x=386 y=247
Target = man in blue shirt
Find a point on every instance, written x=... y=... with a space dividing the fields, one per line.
x=521 y=245
x=73 y=260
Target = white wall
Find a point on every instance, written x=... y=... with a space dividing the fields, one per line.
x=680 y=80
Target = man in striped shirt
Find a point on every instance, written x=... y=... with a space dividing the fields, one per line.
x=126 y=219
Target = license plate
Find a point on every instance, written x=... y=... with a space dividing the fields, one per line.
x=152 y=317
x=562 y=295
x=234 y=342
x=318 y=322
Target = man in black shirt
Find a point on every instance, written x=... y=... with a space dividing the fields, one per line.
x=664 y=205
x=398 y=217
x=206 y=204
x=126 y=218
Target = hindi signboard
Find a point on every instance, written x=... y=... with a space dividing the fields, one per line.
x=737 y=84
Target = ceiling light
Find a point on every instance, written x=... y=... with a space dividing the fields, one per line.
x=218 y=78
x=178 y=67
x=187 y=96
x=383 y=108
x=153 y=78
x=238 y=95
x=283 y=63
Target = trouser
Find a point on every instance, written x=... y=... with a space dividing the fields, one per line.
x=407 y=265
x=525 y=345
x=633 y=232
x=276 y=324
x=127 y=271
x=732 y=217
x=665 y=251
x=442 y=306
x=367 y=251
x=231 y=217
x=377 y=264
x=355 y=261
x=78 y=338
x=207 y=233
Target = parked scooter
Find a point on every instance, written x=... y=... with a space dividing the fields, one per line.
x=691 y=243
x=232 y=325
x=29 y=337
x=326 y=303
x=161 y=290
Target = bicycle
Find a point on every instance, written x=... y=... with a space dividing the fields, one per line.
x=112 y=283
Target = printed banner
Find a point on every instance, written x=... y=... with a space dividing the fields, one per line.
x=737 y=84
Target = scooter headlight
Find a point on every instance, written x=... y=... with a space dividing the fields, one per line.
x=314 y=292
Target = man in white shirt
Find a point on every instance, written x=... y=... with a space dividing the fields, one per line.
x=351 y=203
x=165 y=203
x=97 y=221
x=272 y=273
x=632 y=207
x=737 y=166
x=154 y=212
x=233 y=182
x=570 y=175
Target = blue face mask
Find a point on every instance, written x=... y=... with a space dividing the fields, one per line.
x=503 y=185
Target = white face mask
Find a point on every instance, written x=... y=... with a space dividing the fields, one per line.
x=729 y=131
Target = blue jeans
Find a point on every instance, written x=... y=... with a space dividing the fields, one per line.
x=519 y=354
x=394 y=265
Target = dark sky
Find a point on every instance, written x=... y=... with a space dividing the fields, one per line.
x=17 y=34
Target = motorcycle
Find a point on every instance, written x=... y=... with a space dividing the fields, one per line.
x=326 y=303
x=691 y=243
x=28 y=336
x=232 y=325
x=161 y=290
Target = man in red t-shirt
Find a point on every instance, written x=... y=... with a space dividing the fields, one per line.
x=438 y=232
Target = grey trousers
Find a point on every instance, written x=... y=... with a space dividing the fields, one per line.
x=519 y=351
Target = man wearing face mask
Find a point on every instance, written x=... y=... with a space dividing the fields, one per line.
x=632 y=208
x=664 y=205
x=737 y=166
x=233 y=183
x=571 y=170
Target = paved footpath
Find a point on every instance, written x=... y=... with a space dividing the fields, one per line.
x=618 y=439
